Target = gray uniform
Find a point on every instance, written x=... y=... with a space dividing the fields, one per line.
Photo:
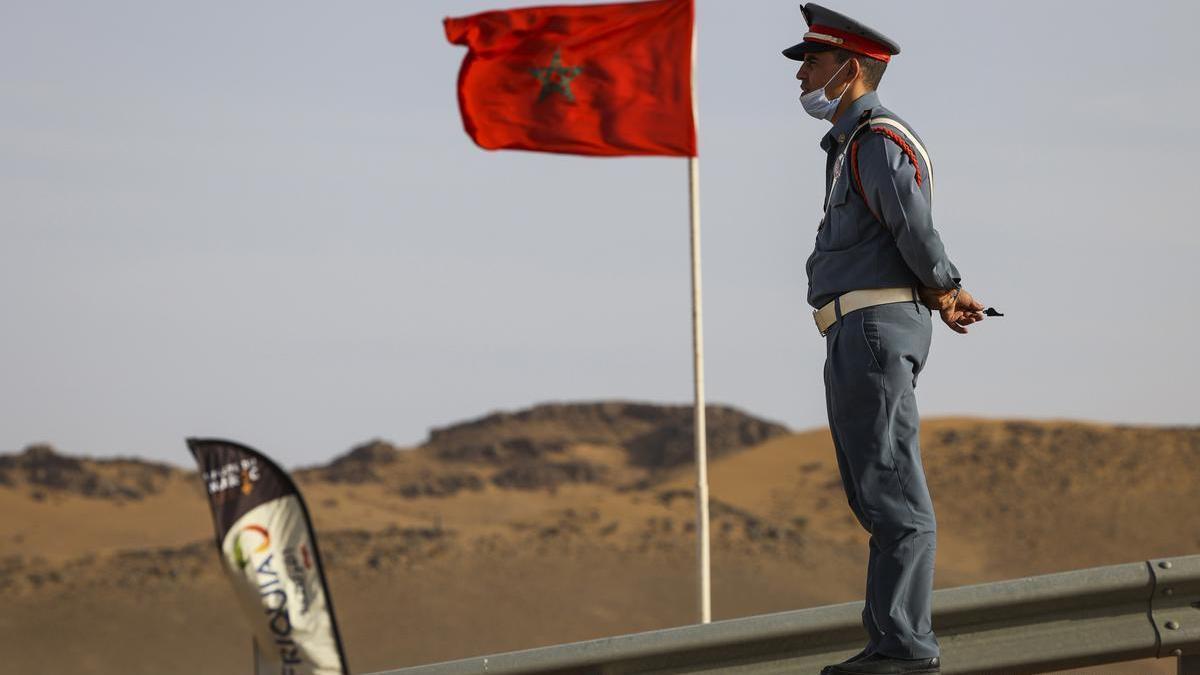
x=882 y=236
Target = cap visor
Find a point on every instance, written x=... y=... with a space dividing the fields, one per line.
x=797 y=52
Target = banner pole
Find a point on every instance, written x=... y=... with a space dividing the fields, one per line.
x=701 y=433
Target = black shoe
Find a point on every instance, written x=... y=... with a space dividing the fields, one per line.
x=878 y=664
x=857 y=657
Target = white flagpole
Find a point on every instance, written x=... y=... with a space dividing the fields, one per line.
x=701 y=434
x=702 y=547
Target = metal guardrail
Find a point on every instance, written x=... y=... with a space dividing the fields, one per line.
x=1035 y=624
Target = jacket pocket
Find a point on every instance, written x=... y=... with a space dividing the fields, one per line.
x=840 y=227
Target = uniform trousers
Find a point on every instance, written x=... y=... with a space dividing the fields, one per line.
x=873 y=357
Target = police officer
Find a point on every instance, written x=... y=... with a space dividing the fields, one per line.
x=877 y=270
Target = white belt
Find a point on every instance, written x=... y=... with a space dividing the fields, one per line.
x=855 y=300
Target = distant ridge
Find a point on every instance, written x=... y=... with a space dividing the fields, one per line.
x=547 y=445
x=656 y=436
x=43 y=469
x=531 y=448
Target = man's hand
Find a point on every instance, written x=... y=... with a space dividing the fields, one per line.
x=957 y=310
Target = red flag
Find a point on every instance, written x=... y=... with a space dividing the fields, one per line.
x=611 y=79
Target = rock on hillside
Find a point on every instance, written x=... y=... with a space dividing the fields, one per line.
x=360 y=464
x=544 y=447
x=401 y=470
x=46 y=471
x=654 y=436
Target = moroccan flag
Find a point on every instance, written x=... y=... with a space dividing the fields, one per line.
x=270 y=555
x=612 y=79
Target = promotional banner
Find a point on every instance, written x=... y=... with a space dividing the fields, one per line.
x=270 y=555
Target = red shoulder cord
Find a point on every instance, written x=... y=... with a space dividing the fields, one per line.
x=904 y=146
x=908 y=151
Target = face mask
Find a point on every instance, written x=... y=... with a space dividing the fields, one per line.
x=817 y=104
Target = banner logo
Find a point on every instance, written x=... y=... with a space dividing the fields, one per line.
x=298 y=567
x=240 y=474
x=239 y=554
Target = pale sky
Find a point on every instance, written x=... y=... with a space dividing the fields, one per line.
x=263 y=221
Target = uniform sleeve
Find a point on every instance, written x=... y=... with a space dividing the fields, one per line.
x=889 y=180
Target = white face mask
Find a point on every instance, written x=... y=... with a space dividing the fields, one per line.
x=817 y=104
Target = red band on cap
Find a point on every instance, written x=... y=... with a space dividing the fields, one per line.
x=848 y=41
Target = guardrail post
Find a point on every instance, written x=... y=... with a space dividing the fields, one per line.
x=1175 y=612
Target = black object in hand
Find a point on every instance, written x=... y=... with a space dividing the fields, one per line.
x=991 y=311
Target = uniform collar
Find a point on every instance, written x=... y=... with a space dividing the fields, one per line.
x=849 y=119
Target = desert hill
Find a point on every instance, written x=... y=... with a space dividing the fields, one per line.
x=557 y=523
x=45 y=470
x=616 y=444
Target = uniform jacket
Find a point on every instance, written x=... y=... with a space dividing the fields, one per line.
x=877 y=230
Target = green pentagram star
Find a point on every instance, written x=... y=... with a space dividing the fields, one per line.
x=556 y=78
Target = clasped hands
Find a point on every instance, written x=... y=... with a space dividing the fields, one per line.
x=958 y=310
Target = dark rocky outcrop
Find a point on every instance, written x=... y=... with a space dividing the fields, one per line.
x=360 y=463
x=654 y=436
x=537 y=475
x=429 y=484
x=501 y=451
x=41 y=467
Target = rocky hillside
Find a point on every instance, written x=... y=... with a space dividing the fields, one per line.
x=45 y=472
x=618 y=444
x=652 y=436
x=537 y=448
